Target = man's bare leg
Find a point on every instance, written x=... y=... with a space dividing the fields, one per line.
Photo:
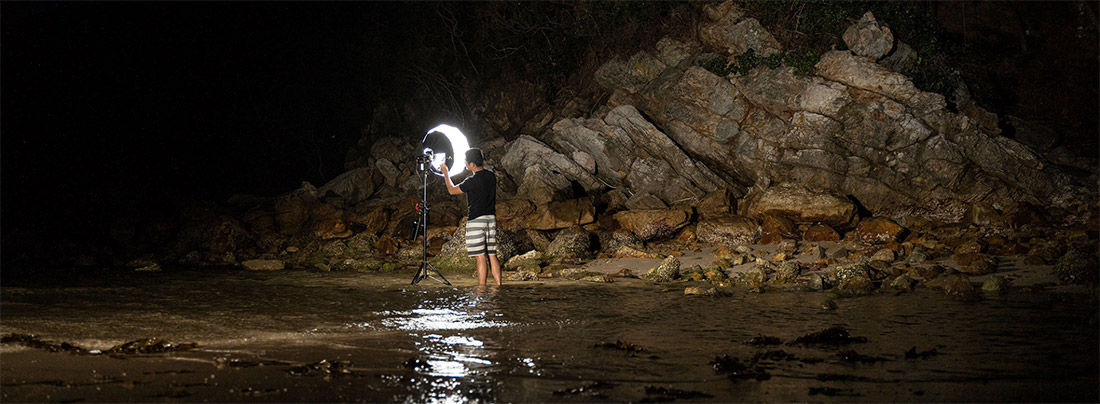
x=495 y=266
x=482 y=270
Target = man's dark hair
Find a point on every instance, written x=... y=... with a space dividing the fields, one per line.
x=474 y=156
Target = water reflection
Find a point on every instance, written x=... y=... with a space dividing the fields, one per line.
x=459 y=362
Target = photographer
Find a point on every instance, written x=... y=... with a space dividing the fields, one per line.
x=481 y=225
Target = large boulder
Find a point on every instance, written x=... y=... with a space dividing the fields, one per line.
x=512 y=213
x=668 y=270
x=869 y=38
x=541 y=185
x=560 y=215
x=801 y=205
x=880 y=230
x=653 y=223
x=527 y=151
x=573 y=242
x=728 y=230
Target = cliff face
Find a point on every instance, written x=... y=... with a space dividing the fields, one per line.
x=673 y=132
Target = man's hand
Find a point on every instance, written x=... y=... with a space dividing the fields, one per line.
x=451 y=187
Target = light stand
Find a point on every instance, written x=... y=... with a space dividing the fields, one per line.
x=426 y=268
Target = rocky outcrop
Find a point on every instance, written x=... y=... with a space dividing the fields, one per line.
x=679 y=153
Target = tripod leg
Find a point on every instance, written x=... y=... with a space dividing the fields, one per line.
x=421 y=273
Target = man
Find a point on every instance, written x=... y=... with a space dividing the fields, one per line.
x=481 y=224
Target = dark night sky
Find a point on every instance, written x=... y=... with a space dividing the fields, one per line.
x=123 y=104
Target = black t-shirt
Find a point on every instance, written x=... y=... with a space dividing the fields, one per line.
x=481 y=193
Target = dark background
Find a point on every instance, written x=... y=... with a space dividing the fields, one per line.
x=117 y=109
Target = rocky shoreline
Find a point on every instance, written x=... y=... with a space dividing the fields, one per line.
x=851 y=176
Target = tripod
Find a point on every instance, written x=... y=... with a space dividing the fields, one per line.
x=426 y=268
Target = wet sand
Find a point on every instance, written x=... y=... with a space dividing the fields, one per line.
x=302 y=336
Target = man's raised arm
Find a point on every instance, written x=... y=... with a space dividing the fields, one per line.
x=451 y=188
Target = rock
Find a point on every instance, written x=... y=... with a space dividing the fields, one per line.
x=728 y=230
x=815 y=282
x=801 y=205
x=586 y=161
x=904 y=58
x=840 y=253
x=788 y=271
x=654 y=223
x=856 y=286
x=848 y=271
x=699 y=291
x=560 y=215
x=927 y=272
x=373 y=222
x=820 y=232
x=353 y=186
x=752 y=278
x=573 y=242
x=453 y=256
x=538 y=239
x=152 y=267
x=668 y=270
x=526 y=152
x=903 y=283
x=975 y=263
x=512 y=213
x=672 y=52
x=868 y=38
x=360 y=245
x=970 y=246
x=630 y=75
x=1076 y=267
x=816 y=253
x=263 y=265
x=683 y=178
x=529 y=259
x=736 y=36
x=879 y=230
x=864 y=73
x=386 y=245
x=788 y=246
x=645 y=201
x=541 y=185
x=917 y=256
x=775 y=228
x=715 y=204
x=780 y=256
x=995 y=283
x=957 y=285
x=631 y=252
x=884 y=255
x=523 y=275
x=291 y=212
x=715 y=274
x=331 y=228
x=577 y=274
x=716 y=11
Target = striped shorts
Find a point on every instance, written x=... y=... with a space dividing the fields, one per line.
x=481 y=236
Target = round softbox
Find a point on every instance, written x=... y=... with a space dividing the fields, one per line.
x=446 y=145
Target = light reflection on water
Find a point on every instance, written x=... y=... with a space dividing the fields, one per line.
x=456 y=359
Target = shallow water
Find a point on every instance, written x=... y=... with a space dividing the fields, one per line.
x=533 y=342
